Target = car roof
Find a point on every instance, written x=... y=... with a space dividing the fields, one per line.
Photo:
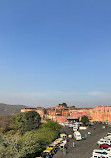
x=62 y=144
x=52 y=144
x=99 y=150
x=46 y=151
x=48 y=148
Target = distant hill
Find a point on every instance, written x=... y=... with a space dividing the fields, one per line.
x=10 y=109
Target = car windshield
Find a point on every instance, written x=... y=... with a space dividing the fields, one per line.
x=105 y=153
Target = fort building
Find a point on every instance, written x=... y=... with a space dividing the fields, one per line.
x=61 y=113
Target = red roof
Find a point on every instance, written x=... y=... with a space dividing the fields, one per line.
x=76 y=115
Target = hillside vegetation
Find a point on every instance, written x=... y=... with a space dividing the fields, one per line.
x=24 y=136
x=7 y=109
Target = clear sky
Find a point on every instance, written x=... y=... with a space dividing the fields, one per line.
x=54 y=51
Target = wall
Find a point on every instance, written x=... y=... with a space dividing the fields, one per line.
x=99 y=113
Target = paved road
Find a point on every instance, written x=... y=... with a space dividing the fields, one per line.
x=84 y=148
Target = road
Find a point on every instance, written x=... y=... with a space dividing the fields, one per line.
x=84 y=148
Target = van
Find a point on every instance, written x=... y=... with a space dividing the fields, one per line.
x=77 y=135
x=101 y=154
x=104 y=141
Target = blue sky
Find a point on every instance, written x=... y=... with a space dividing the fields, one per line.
x=55 y=51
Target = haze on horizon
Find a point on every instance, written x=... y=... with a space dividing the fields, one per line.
x=55 y=51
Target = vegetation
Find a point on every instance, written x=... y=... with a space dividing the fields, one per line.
x=15 y=142
x=84 y=119
x=27 y=121
x=73 y=107
x=7 y=109
x=51 y=125
x=64 y=104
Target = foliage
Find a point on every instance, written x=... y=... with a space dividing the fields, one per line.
x=84 y=119
x=64 y=104
x=27 y=121
x=7 y=109
x=54 y=126
x=5 y=123
x=33 y=141
x=9 y=147
x=29 y=145
x=72 y=107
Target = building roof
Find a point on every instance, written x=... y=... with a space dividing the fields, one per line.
x=76 y=115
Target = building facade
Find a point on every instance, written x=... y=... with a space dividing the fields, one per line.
x=66 y=114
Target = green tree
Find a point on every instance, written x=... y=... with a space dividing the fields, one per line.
x=54 y=126
x=27 y=121
x=84 y=119
x=72 y=107
x=9 y=147
x=5 y=122
x=64 y=104
x=30 y=144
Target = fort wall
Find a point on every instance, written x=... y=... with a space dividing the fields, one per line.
x=61 y=113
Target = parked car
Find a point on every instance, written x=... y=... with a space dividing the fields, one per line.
x=47 y=153
x=107 y=138
x=104 y=141
x=63 y=135
x=70 y=136
x=109 y=134
x=108 y=150
x=62 y=146
x=104 y=146
x=101 y=153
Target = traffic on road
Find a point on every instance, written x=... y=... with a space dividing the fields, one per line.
x=77 y=141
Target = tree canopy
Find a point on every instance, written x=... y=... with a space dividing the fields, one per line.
x=30 y=144
x=84 y=119
x=54 y=126
x=72 y=107
x=27 y=121
x=64 y=104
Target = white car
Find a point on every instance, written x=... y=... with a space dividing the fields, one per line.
x=108 y=150
x=98 y=156
x=101 y=153
x=107 y=138
x=104 y=141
